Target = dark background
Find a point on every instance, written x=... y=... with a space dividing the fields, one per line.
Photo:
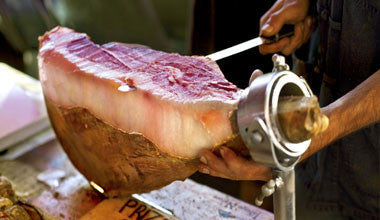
x=236 y=22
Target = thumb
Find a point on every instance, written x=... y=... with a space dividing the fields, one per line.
x=254 y=75
x=273 y=24
x=277 y=20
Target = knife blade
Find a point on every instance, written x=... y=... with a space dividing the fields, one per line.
x=286 y=31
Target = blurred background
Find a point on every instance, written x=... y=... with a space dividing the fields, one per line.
x=188 y=27
x=183 y=26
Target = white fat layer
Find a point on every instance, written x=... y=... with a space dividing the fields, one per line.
x=174 y=127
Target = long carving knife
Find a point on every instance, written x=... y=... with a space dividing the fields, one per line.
x=286 y=31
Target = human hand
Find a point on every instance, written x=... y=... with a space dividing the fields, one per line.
x=286 y=12
x=231 y=166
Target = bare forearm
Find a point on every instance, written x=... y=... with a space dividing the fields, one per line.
x=355 y=110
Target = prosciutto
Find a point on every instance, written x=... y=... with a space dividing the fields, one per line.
x=131 y=118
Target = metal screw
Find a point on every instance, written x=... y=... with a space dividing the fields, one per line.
x=268 y=189
x=257 y=137
x=279 y=63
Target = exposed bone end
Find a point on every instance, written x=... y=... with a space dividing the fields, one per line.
x=301 y=118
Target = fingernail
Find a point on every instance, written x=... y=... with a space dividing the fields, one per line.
x=203 y=159
x=205 y=171
x=267 y=29
x=222 y=151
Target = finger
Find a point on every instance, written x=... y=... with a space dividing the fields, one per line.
x=243 y=169
x=207 y=170
x=275 y=22
x=296 y=40
x=254 y=75
x=275 y=47
x=309 y=28
x=275 y=7
x=227 y=167
x=289 y=13
x=233 y=167
x=213 y=165
x=216 y=166
x=212 y=161
x=232 y=161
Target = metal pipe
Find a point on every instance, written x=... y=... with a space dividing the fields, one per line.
x=284 y=197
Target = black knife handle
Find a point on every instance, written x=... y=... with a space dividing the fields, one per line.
x=287 y=30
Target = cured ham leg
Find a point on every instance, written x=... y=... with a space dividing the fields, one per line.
x=133 y=119
x=130 y=118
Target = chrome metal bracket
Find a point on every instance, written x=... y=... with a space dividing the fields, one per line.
x=260 y=130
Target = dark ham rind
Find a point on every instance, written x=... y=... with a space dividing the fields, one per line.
x=120 y=163
x=130 y=118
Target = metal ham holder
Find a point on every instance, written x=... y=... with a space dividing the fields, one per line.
x=261 y=132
